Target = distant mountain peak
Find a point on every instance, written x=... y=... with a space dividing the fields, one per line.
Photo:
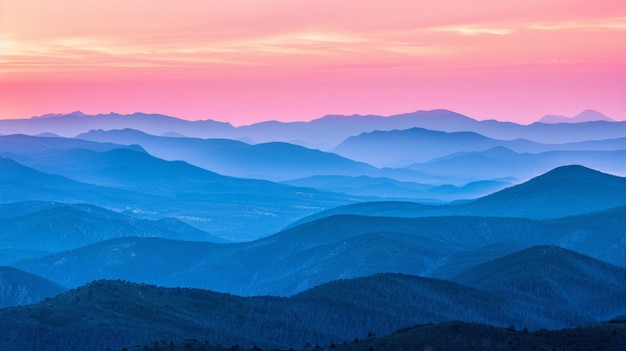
x=584 y=116
x=572 y=170
x=55 y=115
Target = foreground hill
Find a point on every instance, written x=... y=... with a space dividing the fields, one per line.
x=454 y=336
x=21 y=288
x=114 y=314
x=555 y=276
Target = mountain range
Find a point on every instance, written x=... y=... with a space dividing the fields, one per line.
x=147 y=230
x=238 y=159
x=584 y=116
x=324 y=133
x=328 y=313
x=133 y=181
x=327 y=246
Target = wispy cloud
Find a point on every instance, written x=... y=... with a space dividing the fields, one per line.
x=616 y=23
x=473 y=30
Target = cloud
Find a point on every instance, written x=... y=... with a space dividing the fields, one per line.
x=616 y=23
x=473 y=30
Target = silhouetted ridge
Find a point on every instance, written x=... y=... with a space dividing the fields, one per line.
x=555 y=276
x=572 y=171
x=563 y=191
x=117 y=313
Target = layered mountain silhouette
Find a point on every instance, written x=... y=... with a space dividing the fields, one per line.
x=325 y=132
x=503 y=163
x=303 y=234
x=236 y=158
x=563 y=191
x=330 y=248
x=128 y=180
x=405 y=147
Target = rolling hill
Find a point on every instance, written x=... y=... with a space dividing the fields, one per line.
x=336 y=247
x=270 y=161
x=501 y=162
x=452 y=336
x=113 y=314
x=563 y=191
x=152 y=188
x=557 y=277
x=401 y=148
x=66 y=227
x=21 y=288
x=20 y=183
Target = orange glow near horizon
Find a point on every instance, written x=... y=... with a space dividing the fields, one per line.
x=245 y=61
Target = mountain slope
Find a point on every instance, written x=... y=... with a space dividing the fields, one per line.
x=71 y=226
x=19 y=182
x=500 y=162
x=335 y=312
x=401 y=148
x=152 y=188
x=557 y=277
x=563 y=191
x=453 y=336
x=33 y=145
x=272 y=161
x=392 y=148
x=330 y=248
x=21 y=288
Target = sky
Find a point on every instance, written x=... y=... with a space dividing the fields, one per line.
x=245 y=61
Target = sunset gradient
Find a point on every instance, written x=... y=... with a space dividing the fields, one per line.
x=245 y=61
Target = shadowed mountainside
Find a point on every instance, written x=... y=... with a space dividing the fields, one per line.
x=557 y=277
x=21 y=288
x=334 y=312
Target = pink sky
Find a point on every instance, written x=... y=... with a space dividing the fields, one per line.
x=245 y=61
